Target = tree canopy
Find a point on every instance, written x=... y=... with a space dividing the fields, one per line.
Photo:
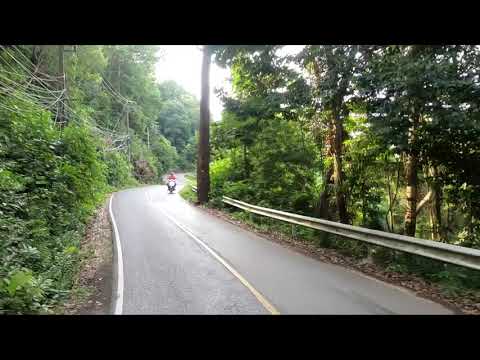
x=380 y=136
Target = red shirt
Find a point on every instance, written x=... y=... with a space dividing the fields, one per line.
x=172 y=177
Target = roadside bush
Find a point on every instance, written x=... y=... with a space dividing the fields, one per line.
x=119 y=171
x=241 y=190
x=51 y=181
x=164 y=154
x=219 y=174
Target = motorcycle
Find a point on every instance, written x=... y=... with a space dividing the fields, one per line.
x=171 y=186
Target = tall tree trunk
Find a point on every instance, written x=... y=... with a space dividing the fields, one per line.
x=436 y=207
x=203 y=168
x=36 y=53
x=61 y=73
x=338 y=170
x=364 y=206
x=411 y=169
x=119 y=82
x=322 y=209
x=411 y=194
x=245 y=162
x=392 y=197
x=337 y=107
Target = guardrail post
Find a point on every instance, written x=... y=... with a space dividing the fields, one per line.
x=370 y=252
x=294 y=233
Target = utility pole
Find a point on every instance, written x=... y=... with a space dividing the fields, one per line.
x=62 y=85
x=118 y=74
x=36 y=54
x=203 y=166
x=127 y=110
x=148 y=137
x=128 y=133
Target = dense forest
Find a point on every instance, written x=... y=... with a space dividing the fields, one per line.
x=76 y=122
x=384 y=137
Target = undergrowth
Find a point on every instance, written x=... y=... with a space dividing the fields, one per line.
x=51 y=182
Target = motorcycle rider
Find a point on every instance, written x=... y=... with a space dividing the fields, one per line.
x=173 y=178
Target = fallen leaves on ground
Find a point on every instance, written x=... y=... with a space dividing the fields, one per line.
x=97 y=247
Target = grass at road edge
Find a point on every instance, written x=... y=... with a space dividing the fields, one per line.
x=187 y=193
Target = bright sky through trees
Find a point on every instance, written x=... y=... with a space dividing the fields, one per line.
x=182 y=63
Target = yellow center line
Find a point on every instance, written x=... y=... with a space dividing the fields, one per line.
x=266 y=304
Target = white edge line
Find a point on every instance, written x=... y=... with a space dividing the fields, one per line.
x=255 y=292
x=118 y=301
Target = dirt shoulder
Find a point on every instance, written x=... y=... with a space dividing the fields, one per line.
x=92 y=292
x=465 y=304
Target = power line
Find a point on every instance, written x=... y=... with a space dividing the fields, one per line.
x=12 y=84
x=27 y=84
x=113 y=92
x=32 y=75
x=25 y=97
x=41 y=101
x=35 y=67
x=55 y=99
x=45 y=96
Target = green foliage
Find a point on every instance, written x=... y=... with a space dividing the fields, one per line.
x=251 y=173
x=179 y=115
x=188 y=158
x=187 y=193
x=119 y=170
x=144 y=161
x=83 y=172
x=166 y=155
x=273 y=147
x=220 y=171
x=278 y=139
x=156 y=111
x=423 y=100
x=365 y=192
x=51 y=183
x=52 y=179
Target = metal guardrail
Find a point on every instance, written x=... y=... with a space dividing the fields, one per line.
x=452 y=254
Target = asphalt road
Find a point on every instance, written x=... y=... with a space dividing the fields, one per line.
x=177 y=259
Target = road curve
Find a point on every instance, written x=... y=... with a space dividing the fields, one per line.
x=177 y=259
